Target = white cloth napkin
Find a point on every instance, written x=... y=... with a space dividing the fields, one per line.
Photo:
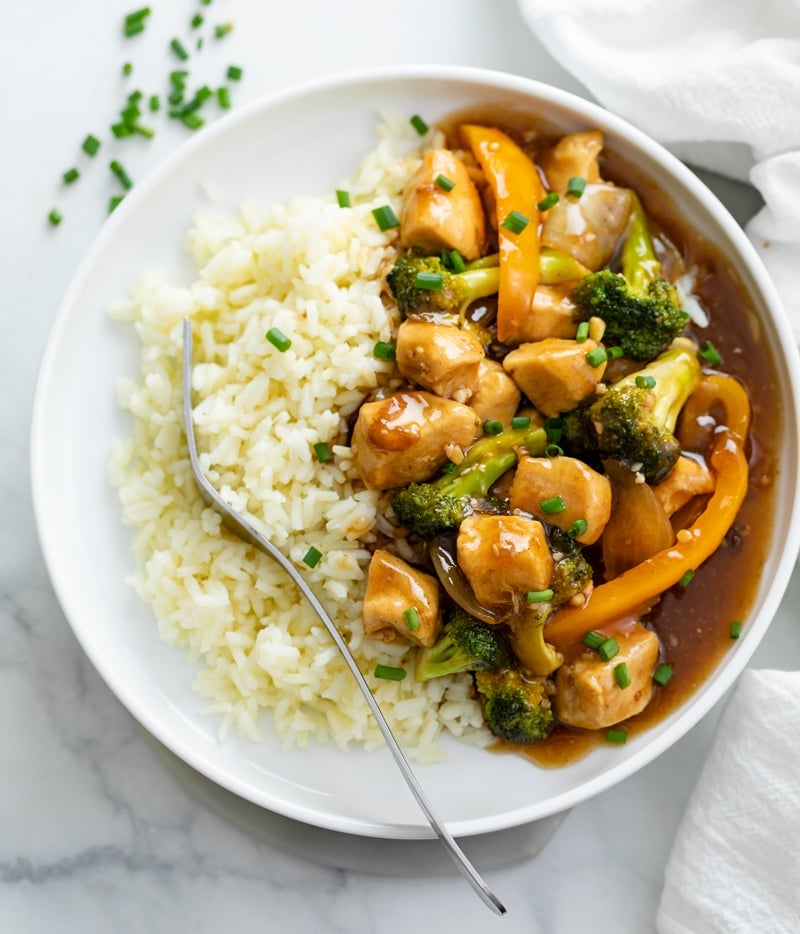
x=735 y=863
x=716 y=81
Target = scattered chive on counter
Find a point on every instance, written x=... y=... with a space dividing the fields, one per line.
x=224 y=98
x=55 y=217
x=90 y=145
x=222 y=30
x=312 y=557
x=70 y=176
x=179 y=49
x=278 y=339
x=234 y=73
x=121 y=174
x=114 y=202
x=389 y=673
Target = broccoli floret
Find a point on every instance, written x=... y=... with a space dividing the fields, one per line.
x=466 y=644
x=572 y=573
x=430 y=508
x=455 y=292
x=514 y=707
x=639 y=307
x=635 y=418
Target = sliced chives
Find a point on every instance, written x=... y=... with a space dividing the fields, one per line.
x=278 y=339
x=582 y=332
x=192 y=121
x=342 y=198
x=614 y=353
x=449 y=467
x=197 y=21
x=575 y=186
x=594 y=640
x=130 y=113
x=492 y=427
x=178 y=77
x=154 y=103
x=619 y=737
x=645 y=382
x=578 y=528
x=596 y=357
x=121 y=130
x=384 y=351
x=608 y=649
x=385 y=217
x=224 y=98
x=312 y=557
x=419 y=124
x=133 y=29
x=323 y=452
x=554 y=428
x=457 y=261
x=516 y=222
x=552 y=506
x=70 y=176
x=662 y=674
x=90 y=145
x=203 y=93
x=553 y=450
x=114 y=202
x=55 y=217
x=178 y=48
x=686 y=579
x=143 y=130
x=121 y=174
x=622 y=675
x=134 y=97
x=736 y=629
x=548 y=201
x=539 y=596
x=222 y=30
x=445 y=183
x=234 y=73
x=709 y=353
x=521 y=421
x=411 y=618
x=127 y=69
x=432 y=281
x=134 y=22
x=389 y=673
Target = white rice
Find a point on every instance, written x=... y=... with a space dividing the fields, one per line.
x=313 y=270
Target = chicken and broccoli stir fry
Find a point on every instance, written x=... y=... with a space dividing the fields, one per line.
x=554 y=450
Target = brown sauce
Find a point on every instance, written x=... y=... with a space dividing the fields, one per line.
x=693 y=623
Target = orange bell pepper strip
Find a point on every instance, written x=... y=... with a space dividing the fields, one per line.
x=517 y=187
x=636 y=590
x=713 y=389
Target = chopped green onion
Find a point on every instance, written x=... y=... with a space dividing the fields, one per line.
x=582 y=332
x=222 y=30
x=127 y=69
x=199 y=44
x=553 y=450
x=445 y=183
x=419 y=124
x=323 y=452
x=130 y=113
x=608 y=649
x=432 y=281
x=538 y=596
x=278 y=339
x=138 y=15
x=411 y=618
x=121 y=130
x=521 y=421
x=121 y=174
x=645 y=382
x=736 y=629
x=90 y=145
x=578 y=528
x=143 y=130
x=385 y=217
x=177 y=47
x=178 y=77
x=134 y=97
x=492 y=427
x=234 y=73
x=620 y=737
x=312 y=557
x=575 y=186
x=55 y=217
x=686 y=579
x=548 y=201
x=224 y=99
x=192 y=121
x=662 y=674
x=70 y=176
x=552 y=506
x=203 y=93
x=515 y=222
x=457 y=261
x=596 y=357
x=114 y=202
x=709 y=353
x=133 y=29
x=384 y=351
x=197 y=21
x=134 y=22
x=554 y=428
x=614 y=353
x=206 y=2
x=622 y=675
x=594 y=640
x=342 y=198
x=389 y=673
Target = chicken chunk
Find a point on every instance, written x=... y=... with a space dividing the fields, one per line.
x=585 y=492
x=587 y=693
x=434 y=219
x=573 y=155
x=590 y=227
x=440 y=357
x=554 y=373
x=689 y=477
x=504 y=557
x=403 y=439
x=496 y=396
x=393 y=588
x=552 y=314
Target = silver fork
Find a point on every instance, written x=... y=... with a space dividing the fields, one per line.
x=239 y=525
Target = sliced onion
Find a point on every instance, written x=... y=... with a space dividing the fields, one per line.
x=442 y=552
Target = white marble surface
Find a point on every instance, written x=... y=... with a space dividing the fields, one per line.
x=101 y=830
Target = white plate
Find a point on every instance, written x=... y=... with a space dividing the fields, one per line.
x=306 y=141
